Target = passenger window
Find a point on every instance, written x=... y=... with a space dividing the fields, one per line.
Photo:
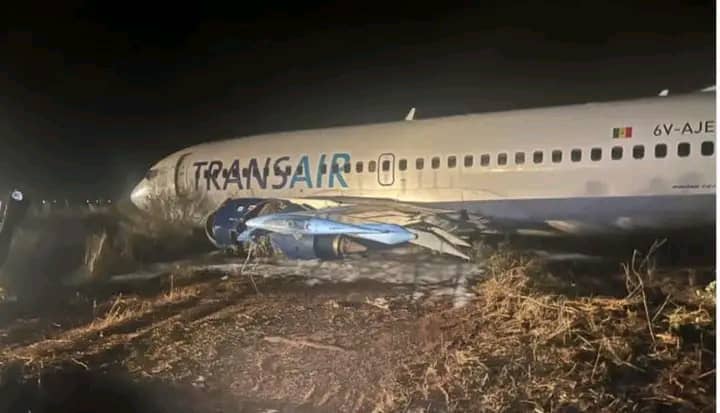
x=386 y=166
x=484 y=160
x=616 y=153
x=359 y=167
x=707 y=148
x=519 y=158
x=371 y=166
x=468 y=161
x=638 y=151
x=557 y=156
x=323 y=168
x=402 y=165
x=452 y=161
x=347 y=167
x=502 y=159
x=660 y=150
x=576 y=155
x=537 y=157
x=596 y=154
x=435 y=163
x=419 y=163
x=683 y=149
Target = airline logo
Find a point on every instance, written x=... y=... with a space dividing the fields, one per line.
x=278 y=173
x=622 y=133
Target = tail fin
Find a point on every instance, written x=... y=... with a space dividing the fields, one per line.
x=411 y=114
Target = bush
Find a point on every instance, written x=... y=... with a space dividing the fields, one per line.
x=78 y=246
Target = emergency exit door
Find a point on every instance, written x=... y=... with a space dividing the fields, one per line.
x=386 y=169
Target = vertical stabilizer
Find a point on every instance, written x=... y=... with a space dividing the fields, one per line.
x=411 y=114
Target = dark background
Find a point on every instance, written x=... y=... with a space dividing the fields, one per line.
x=92 y=95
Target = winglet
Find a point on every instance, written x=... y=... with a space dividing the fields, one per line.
x=664 y=92
x=411 y=114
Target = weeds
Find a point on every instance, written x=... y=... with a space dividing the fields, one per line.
x=120 y=310
x=166 y=212
x=520 y=349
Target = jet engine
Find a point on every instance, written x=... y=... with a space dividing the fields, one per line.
x=223 y=226
x=297 y=232
x=324 y=247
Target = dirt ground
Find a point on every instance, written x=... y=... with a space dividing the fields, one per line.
x=375 y=334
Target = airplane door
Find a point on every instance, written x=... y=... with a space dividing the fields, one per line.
x=183 y=178
x=386 y=169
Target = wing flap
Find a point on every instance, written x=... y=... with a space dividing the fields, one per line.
x=450 y=237
x=432 y=241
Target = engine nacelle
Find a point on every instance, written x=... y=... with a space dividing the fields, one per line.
x=296 y=235
x=324 y=247
x=223 y=226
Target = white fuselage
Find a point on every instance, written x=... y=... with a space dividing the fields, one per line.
x=618 y=165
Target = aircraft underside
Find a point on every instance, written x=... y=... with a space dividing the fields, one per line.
x=353 y=226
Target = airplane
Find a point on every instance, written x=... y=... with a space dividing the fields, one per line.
x=645 y=164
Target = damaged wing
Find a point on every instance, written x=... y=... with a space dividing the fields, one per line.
x=328 y=228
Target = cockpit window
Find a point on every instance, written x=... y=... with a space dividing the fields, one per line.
x=151 y=174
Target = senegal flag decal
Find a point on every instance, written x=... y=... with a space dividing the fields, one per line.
x=622 y=133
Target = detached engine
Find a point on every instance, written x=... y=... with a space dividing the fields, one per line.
x=297 y=232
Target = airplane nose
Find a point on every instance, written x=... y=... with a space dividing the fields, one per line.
x=139 y=195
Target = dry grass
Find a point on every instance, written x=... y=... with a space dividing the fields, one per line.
x=118 y=312
x=520 y=349
x=178 y=294
x=128 y=308
x=122 y=309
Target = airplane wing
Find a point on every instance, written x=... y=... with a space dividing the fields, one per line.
x=301 y=226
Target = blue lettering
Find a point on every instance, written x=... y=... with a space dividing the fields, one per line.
x=318 y=182
x=305 y=165
x=338 y=170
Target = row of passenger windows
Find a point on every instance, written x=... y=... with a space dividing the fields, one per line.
x=707 y=148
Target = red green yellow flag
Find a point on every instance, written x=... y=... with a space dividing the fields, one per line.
x=622 y=133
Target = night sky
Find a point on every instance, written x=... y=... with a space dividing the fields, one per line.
x=93 y=95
